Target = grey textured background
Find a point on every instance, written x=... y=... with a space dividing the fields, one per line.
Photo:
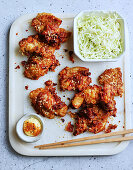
x=9 y=11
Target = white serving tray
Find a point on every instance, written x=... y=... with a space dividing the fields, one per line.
x=19 y=103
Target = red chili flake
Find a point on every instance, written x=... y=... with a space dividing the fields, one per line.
x=119 y=121
x=68 y=98
x=63 y=120
x=23 y=63
x=64 y=96
x=26 y=87
x=123 y=126
x=108 y=130
x=14 y=63
x=62 y=57
x=65 y=50
x=69 y=127
x=71 y=56
x=16 y=33
x=18 y=67
x=26 y=30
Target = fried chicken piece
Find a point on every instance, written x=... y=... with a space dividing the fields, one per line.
x=107 y=98
x=46 y=101
x=56 y=37
x=80 y=126
x=33 y=45
x=114 y=78
x=91 y=95
x=45 y=22
x=48 y=26
x=92 y=119
x=75 y=78
x=38 y=66
x=97 y=118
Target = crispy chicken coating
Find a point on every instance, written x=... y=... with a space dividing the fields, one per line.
x=45 y=22
x=107 y=98
x=56 y=37
x=80 y=126
x=91 y=95
x=69 y=127
x=38 y=66
x=108 y=130
x=91 y=119
x=33 y=45
x=46 y=101
x=75 y=78
x=114 y=78
x=97 y=118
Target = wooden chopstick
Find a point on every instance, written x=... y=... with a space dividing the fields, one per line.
x=88 y=143
x=86 y=138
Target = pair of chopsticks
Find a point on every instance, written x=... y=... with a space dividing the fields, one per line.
x=70 y=143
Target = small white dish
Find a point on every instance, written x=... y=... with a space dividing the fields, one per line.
x=19 y=128
x=75 y=30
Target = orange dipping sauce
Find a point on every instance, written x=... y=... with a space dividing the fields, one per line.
x=32 y=127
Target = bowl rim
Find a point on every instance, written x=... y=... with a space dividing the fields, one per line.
x=76 y=48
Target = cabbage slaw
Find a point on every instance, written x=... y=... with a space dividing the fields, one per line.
x=99 y=36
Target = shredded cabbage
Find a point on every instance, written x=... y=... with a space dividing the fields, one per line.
x=99 y=36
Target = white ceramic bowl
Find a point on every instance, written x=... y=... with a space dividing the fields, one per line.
x=76 y=46
x=19 y=128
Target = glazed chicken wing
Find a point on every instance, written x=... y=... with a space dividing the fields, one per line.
x=33 y=45
x=38 y=66
x=113 y=77
x=75 y=78
x=46 y=101
x=45 y=22
x=91 y=95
